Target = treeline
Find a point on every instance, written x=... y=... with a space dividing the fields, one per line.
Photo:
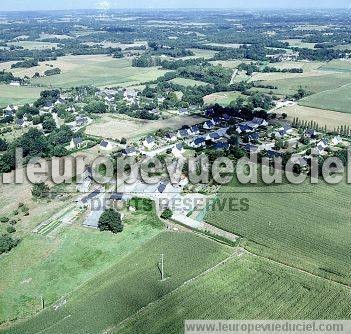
x=251 y=68
x=7 y=77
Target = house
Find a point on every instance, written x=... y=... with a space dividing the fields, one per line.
x=251 y=148
x=213 y=136
x=221 y=145
x=259 y=121
x=59 y=101
x=11 y=109
x=298 y=160
x=130 y=95
x=116 y=197
x=81 y=120
x=244 y=128
x=208 y=125
x=178 y=150
x=226 y=117
x=310 y=133
x=109 y=99
x=154 y=111
x=71 y=109
x=284 y=131
x=216 y=120
x=129 y=151
x=194 y=130
x=149 y=142
x=198 y=142
x=183 y=111
x=170 y=136
x=161 y=187
x=76 y=143
x=182 y=133
x=91 y=196
x=336 y=140
x=85 y=180
x=255 y=136
x=15 y=83
x=23 y=123
x=209 y=112
x=322 y=145
x=273 y=154
x=48 y=107
x=106 y=145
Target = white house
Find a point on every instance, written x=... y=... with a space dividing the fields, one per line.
x=149 y=142
x=209 y=125
x=129 y=151
x=106 y=145
x=170 y=137
x=76 y=143
x=178 y=150
x=336 y=140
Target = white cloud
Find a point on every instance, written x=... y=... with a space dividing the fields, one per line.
x=103 y=5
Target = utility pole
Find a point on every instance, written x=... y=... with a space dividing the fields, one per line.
x=42 y=303
x=162 y=272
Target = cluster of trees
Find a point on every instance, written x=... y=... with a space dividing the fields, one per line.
x=52 y=71
x=25 y=63
x=47 y=96
x=35 y=144
x=7 y=242
x=7 y=77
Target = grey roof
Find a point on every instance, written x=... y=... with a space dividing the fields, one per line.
x=104 y=143
x=199 y=140
x=150 y=139
x=129 y=149
x=183 y=132
x=77 y=140
x=91 y=195
x=161 y=188
x=116 y=196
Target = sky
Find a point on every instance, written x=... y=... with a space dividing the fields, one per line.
x=6 y=5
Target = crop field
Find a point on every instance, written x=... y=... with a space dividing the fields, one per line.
x=130 y=284
x=18 y=95
x=116 y=127
x=222 y=98
x=67 y=260
x=313 y=83
x=305 y=226
x=329 y=118
x=188 y=82
x=202 y=53
x=243 y=288
x=336 y=99
x=297 y=43
x=97 y=70
x=34 y=45
x=337 y=66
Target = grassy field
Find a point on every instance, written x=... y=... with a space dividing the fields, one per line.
x=18 y=95
x=313 y=83
x=188 y=82
x=297 y=43
x=306 y=226
x=116 y=126
x=335 y=99
x=132 y=283
x=329 y=118
x=97 y=70
x=52 y=266
x=337 y=66
x=222 y=98
x=244 y=288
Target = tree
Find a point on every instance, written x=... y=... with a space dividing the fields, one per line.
x=10 y=229
x=7 y=243
x=49 y=125
x=40 y=190
x=110 y=220
x=167 y=214
x=3 y=145
x=96 y=107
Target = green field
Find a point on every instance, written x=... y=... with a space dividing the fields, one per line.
x=336 y=99
x=306 y=226
x=188 y=82
x=244 y=288
x=130 y=284
x=222 y=98
x=315 y=84
x=18 y=95
x=337 y=66
x=51 y=267
x=98 y=71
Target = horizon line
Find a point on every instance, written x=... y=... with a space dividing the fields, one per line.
x=176 y=9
